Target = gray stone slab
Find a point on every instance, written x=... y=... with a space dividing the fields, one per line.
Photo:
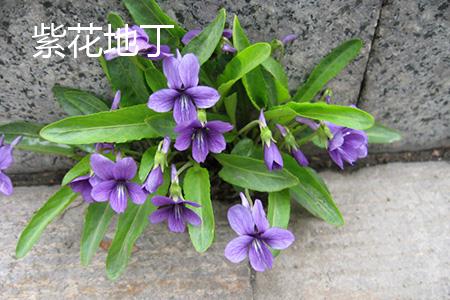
x=395 y=243
x=407 y=84
x=164 y=265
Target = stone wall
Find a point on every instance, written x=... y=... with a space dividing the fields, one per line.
x=402 y=75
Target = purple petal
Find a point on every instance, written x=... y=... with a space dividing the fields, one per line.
x=6 y=186
x=278 y=238
x=200 y=148
x=336 y=141
x=183 y=141
x=191 y=217
x=188 y=69
x=112 y=53
x=83 y=186
x=227 y=33
x=163 y=100
x=164 y=52
x=94 y=180
x=170 y=68
x=176 y=221
x=191 y=203
x=6 y=157
x=219 y=126
x=118 y=199
x=203 y=96
x=160 y=215
x=241 y=220
x=140 y=33
x=216 y=142
x=262 y=118
x=166 y=145
x=190 y=35
x=102 y=166
x=228 y=48
x=260 y=256
x=184 y=110
x=154 y=180
x=272 y=157
x=244 y=200
x=300 y=157
x=336 y=157
x=259 y=216
x=125 y=169
x=310 y=123
x=288 y=38
x=116 y=101
x=162 y=201
x=237 y=249
x=282 y=130
x=137 y=195
x=102 y=191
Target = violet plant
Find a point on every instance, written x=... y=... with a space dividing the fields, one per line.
x=212 y=100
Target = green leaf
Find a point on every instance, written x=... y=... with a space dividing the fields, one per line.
x=148 y=12
x=104 y=64
x=276 y=69
x=118 y=126
x=230 y=107
x=241 y=64
x=328 y=68
x=162 y=124
x=347 y=116
x=31 y=140
x=244 y=147
x=204 y=44
x=127 y=77
x=380 y=134
x=197 y=188
x=46 y=214
x=79 y=169
x=76 y=102
x=115 y=20
x=147 y=161
x=252 y=173
x=276 y=80
x=155 y=79
x=279 y=210
x=312 y=193
x=96 y=223
x=130 y=226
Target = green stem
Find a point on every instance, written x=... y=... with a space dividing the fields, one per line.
x=184 y=167
x=248 y=126
x=247 y=195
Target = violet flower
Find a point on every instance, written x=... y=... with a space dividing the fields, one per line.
x=272 y=156
x=255 y=236
x=293 y=146
x=308 y=122
x=347 y=144
x=205 y=137
x=184 y=94
x=156 y=177
x=288 y=39
x=140 y=45
x=115 y=183
x=173 y=208
x=83 y=185
x=227 y=33
x=6 y=160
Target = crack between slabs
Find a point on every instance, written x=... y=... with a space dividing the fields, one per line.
x=372 y=42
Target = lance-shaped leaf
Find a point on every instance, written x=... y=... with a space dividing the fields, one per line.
x=118 y=126
x=148 y=12
x=130 y=226
x=241 y=64
x=96 y=222
x=252 y=173
x=31 y=141
x=380 y=134
x=162 y=124
x=204 y=44
x=155 y=78
x=244 y=147
x=77 y=102
x=46 y=214
x=79 y=169
x=147 y=161
x=312 y=193
x=197 y=188
x=115 y=20
x=279 y=210
x=327 y=69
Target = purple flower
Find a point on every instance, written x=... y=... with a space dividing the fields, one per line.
x=293 y=146
x=255 y=236
x=173 y=208
x=116 y=101
x=346 y=145
x=272 y=156
x=299 y=157
x=310 y=123
x=83 y=185
x=227 y=33
x=205 y=137
x=288 y=38
x=6 y=160
x=140 y=45
x=115 y=182
x=184 y=94
x=156 y=178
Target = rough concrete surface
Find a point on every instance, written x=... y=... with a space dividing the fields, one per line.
x=394 y=245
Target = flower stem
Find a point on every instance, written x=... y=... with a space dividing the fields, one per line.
x=248 y=126
x=249 y=198
x=184 y=167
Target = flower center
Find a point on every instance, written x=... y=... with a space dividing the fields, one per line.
x=121 y=190
x=184 y=100
x=178 y=212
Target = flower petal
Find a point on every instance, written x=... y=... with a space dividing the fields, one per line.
x=216 y=142
x=200 y=148
x=191 y=203
x=137 y=195
x=6 y=186
x=278 y=238
x=272 y=157
x=237 y=249
x=160 y=215
x=101 y=191
x=162 y=200
x=125 y=169
x=154 y=180
x=259 y=216
x=183 y=141
x=175 y=221
x=184 y=110
x=170 y=68
x=241 y=220
x=336 y=157
x=191 y=217
x=188 y=69
x=260 y=256
x=162 y=100
x=118 y=198
x=300 y=157
x=190 y=35
x=102 y=166
x=203 y=96
x=219 y=126
x=6 y=157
